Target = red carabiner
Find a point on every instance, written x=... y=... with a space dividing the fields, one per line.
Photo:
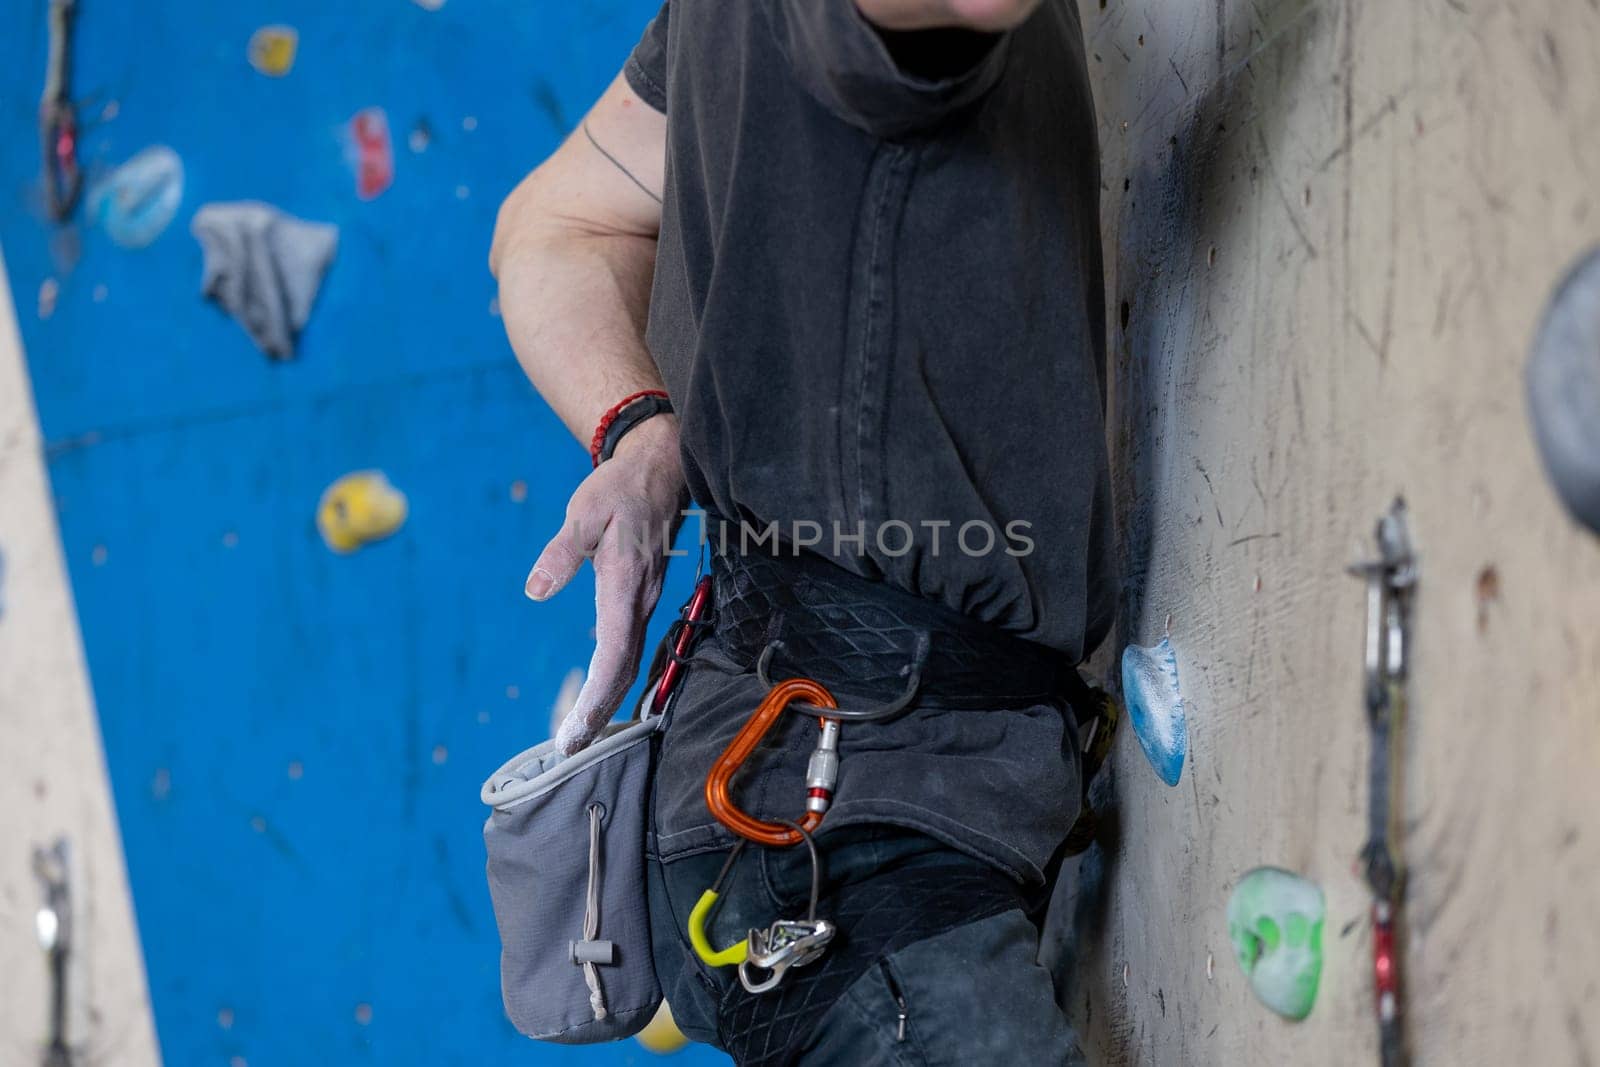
x=672 y=673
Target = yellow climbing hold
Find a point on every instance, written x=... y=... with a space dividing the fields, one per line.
x=661 y=1034
x=358 y=509
x=272 y=50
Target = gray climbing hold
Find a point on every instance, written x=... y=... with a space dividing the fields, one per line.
x=264 y=268
x=1563 y=378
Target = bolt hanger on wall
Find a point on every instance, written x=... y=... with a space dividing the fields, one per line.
x=53 y=924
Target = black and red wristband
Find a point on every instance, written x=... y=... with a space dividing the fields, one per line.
x=623 y=416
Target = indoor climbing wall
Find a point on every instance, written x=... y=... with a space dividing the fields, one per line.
x=1332 y=229
x=296 y=719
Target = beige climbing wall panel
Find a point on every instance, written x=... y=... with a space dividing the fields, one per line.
x=52 y=776
x=1331 y=228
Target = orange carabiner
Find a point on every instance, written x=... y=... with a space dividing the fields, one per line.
x=718 y=796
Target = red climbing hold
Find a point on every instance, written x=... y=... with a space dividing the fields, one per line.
x=372 y=153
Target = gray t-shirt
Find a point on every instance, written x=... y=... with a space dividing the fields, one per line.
x=878 y=309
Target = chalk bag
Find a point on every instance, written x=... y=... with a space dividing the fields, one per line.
x=566 y=839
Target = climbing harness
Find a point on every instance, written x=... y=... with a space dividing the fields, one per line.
x=1390 y=579
x=912 y=672
x=790 y=617
x=888 y=649
x=58 y=125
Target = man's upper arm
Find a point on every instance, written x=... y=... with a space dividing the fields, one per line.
x=604 y=180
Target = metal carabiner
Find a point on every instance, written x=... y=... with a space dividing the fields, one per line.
x=819 y=783
x=677 y=646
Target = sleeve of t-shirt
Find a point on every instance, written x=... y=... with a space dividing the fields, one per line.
x=646 y=69
x=884 y=82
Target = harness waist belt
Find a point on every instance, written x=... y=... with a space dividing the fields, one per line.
x=863 y=639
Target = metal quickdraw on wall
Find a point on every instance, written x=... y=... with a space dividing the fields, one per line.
x=1390 y=580
x=58 y=122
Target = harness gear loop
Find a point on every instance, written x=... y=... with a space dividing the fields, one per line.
x=820 y=776
x=912 y=672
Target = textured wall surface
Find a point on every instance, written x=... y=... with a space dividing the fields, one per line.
x=52 y=774
x=1332 y=227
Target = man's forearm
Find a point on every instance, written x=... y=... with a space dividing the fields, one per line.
x=574 y=250
x=574 y=306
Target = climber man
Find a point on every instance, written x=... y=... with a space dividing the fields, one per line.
x=831 y=269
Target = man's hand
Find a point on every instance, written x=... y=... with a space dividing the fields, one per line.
x=624 y=516
x=574 y=249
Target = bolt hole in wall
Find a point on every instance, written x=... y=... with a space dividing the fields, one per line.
x=300 y=479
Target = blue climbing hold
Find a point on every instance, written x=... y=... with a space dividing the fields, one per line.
x=135 y=202
x=1155 y=705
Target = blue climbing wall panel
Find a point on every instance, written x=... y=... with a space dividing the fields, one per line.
x=296 y=739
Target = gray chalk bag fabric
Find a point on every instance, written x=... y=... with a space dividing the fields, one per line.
x=566 y=839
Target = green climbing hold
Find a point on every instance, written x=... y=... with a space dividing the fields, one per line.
x=1275 y=923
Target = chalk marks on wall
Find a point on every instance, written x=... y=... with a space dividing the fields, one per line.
x=358 y=509
x=1155 y=706
x=1275 y=920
